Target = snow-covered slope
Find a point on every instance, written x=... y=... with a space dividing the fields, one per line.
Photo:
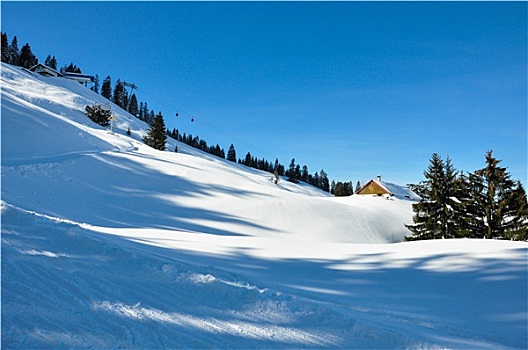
x=108 y=243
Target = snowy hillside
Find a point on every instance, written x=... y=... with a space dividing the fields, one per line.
x=108 y=243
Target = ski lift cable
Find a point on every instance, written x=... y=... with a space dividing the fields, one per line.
x=215 y=128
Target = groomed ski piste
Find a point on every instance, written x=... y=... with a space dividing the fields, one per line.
x=107 y=243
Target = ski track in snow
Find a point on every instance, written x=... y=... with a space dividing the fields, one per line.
x=107 y=243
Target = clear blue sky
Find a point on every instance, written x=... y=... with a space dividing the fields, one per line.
x=358 y=89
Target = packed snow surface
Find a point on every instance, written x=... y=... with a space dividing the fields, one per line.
x=107 y=243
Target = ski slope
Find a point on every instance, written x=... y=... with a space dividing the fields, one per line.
x=107 y=243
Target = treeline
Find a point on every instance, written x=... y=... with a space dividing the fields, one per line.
x=25 y=58
x=484 y=204
x=157 y=135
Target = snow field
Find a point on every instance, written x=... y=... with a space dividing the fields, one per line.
x=108 y=243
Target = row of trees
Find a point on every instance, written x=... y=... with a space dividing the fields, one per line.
x=158 y=134
x=25 y=58
x=484 y=204
x=12 y=55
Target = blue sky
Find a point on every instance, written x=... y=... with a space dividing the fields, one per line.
x=358 y=89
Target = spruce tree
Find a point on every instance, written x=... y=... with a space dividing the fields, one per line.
x=51 y=62
x=14 y=54
x=498 y=206
x=106 y=88
x=5 y=48
x=157 y=137
x=133 y=107
x=27 y=58
x=292 y=174
x=119 y=94
x=95 y=87
x=231 y=154
x=437 y=214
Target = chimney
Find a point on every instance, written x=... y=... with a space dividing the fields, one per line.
x=379 y=178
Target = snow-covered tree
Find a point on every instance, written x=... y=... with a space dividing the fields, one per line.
x=438 y=213
x=498 y=207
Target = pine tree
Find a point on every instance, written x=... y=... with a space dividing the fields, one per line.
x=358 y=186
x=325 y=184
x=304 y=174
x=119 y=94
x=157 y=137
x=14 y=54
x=95 y=87
x=133 y=106
x=106 y=88
x=498 y=206
x=291 y=173
x=5 y=48
x=27 y=58
x=437 y=214
x=51 y=62
x=231 y=154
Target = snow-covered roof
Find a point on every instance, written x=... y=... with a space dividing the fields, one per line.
x=45 y=70
x=398 y=191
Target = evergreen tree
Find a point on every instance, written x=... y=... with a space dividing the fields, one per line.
x=5 y=48
x=119 y=94
x=358 y=186
x=231 y=154
x=248 y=161
x=305 y=174
x=27 y=58
x=291 y=173
x=324 y=182
x=106 y=88
x=95 y=87
x=156 y=137
x=498 y=205
x=51 y=62
x=14 y=54
x=438 y=213
x=133 y=107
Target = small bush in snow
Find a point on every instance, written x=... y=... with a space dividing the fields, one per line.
x=98 y=114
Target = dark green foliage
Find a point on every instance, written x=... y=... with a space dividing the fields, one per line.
x=484 y=204
x=71 y=68
x=231 y=154
x=156 y=137
x=106 y=88
x=292 y=174
x=98 y=114
x=51 y=62
x=341 y=189
x=5 y=48
x=13 y=52
x=497 y=206
x=119 y=94
x=437 y=214
x=95 y=87
x=27 y=58
x=133 y=107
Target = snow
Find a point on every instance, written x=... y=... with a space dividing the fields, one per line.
x=107 y=243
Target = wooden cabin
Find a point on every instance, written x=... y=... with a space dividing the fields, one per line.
x=45 y=70
x=387 y=189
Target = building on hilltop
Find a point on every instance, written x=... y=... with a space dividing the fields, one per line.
x=387 y=189
x=50 y=72
x=45 y=70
